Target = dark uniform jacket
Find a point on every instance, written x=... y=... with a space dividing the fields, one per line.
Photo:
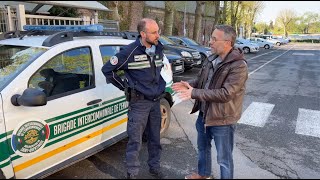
x=226 y=90
x=142 y=75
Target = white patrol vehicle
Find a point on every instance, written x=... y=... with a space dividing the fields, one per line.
x=55 y=105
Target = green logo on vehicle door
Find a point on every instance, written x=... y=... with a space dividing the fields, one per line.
x=29 y=137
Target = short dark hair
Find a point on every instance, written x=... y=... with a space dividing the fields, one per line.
x=229 y=32
x=141 y=25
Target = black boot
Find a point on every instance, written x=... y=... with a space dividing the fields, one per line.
x=131 y=176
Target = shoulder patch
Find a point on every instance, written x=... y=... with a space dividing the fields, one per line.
x=114 y=60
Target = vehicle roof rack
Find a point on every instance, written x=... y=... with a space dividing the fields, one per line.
x=57 y=38
x=63 y=33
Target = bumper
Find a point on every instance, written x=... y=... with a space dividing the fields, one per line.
x=177 y=66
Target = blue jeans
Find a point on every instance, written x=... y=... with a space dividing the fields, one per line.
x=223 y=138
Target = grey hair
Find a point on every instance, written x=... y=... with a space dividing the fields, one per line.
x=229 y=33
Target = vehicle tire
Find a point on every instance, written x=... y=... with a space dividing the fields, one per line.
x=246 y=50
x=278 y=44
x=165 y=116
x=267 y=46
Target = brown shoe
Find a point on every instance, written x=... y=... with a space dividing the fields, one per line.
x=197 y=176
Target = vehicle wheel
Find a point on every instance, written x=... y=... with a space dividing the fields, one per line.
x=267 y=46
x=246 y=50
x=165 y=116
x=278 y=44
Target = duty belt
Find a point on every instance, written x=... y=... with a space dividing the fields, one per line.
x=135 y=95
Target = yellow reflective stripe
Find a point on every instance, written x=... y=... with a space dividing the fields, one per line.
x=67 y=146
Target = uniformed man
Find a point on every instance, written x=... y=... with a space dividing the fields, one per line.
x=143 y=86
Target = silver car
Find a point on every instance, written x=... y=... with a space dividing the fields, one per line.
x=262 y=42
x=246 y=45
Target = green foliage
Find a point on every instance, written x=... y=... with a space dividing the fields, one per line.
x=63 y=11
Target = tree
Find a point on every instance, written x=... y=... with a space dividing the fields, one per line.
x=234 y=9
x=63 y=11
x=198 y=20
x=168 y=17
x=262 y=27
x=224 y=12
x=308 y=19
x=114 y=14
x=216 y=14
x=285 y=17
x=135 y=14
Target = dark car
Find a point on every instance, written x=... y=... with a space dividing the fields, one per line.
x=191 y=56
x=177 y=62
x=185 y=41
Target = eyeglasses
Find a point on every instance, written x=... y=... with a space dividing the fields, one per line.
x=153 y=33
x=215 y=40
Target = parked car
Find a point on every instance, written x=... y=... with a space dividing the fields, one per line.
x=270 y=39
x=246 y=45
x=281 y=39
x=185 y=41
x=191 y=56
x=177 y=62
x=262 y=42
x=56 y=107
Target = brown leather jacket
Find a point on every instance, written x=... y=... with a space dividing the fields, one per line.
x=226 y=90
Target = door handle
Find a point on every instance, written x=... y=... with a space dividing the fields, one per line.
x=94 y=102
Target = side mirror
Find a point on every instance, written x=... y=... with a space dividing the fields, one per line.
x=30 y=97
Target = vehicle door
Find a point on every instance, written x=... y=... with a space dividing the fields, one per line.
x=6 y=170
x=117 y=100
x=48 y=137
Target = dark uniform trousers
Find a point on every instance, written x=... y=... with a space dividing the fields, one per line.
x=143 y=113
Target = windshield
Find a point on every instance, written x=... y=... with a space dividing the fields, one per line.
x=13 y=59
x=166 y=41
x=190 y=42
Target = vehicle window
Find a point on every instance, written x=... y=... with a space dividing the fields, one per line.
x=69 y=71
x=107 y=51
x=178 y=41
x=166 y=41
x=14 y=59
x=191 y=42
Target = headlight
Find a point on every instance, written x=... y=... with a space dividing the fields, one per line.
x=186 y=54
x=209 y=52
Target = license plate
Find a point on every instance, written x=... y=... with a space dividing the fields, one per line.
x=178 y=68
x=199 y=62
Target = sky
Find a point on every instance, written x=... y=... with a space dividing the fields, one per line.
x=272 y=8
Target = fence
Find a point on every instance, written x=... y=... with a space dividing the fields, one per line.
x=14 y=18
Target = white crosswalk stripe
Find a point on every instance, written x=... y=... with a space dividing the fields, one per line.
x=308 y=122
x=256 y=114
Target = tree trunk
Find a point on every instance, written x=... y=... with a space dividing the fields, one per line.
x=234 y=13
x=114 y=14
x=168 y=18
x=136 y=14
x=198 y=20
x=224 y=13
x=216 y=14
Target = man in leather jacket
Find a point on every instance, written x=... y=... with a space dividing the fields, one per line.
x=218 y=91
